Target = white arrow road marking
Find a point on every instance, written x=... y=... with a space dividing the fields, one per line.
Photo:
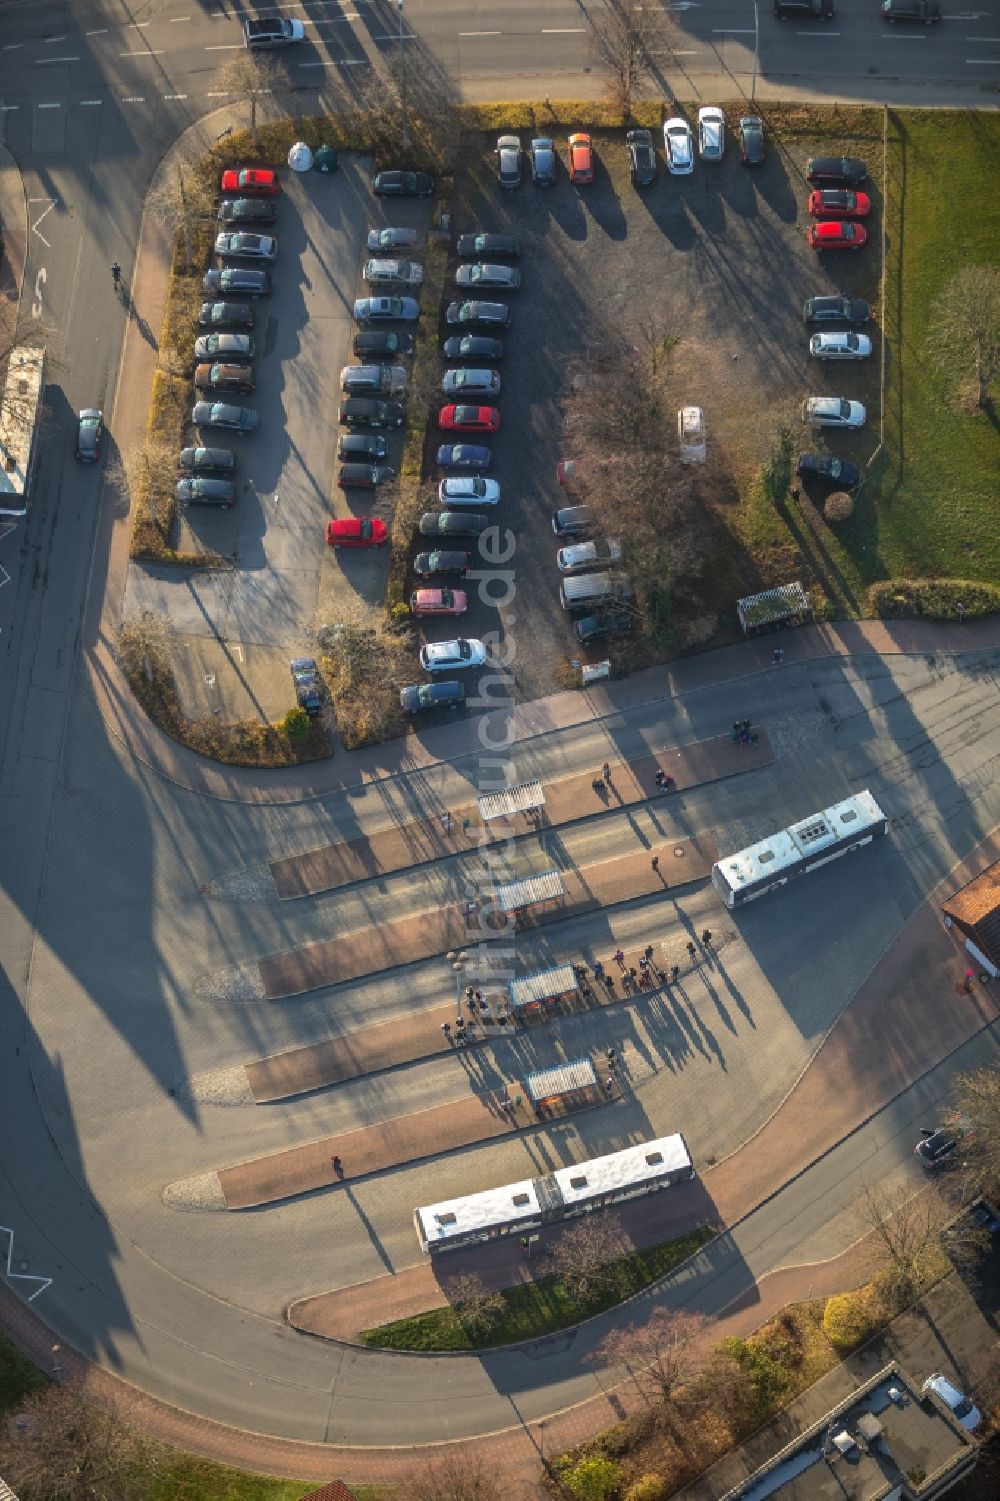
x=21 y=1276
x=51 y=205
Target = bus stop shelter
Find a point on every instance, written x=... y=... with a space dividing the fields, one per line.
x=531 y=993
x=786 y=605
x=557 y=1091
x=532 y=893
x=524 y=797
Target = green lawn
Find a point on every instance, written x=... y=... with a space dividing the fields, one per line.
x=539 y=1307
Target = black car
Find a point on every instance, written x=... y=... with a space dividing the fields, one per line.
x=308 y=685
x=199 y=491
x=571 y=521
x=428 y=565
x=453 y=524
x=89 y=432
x=224 y=414
x=207 y=461
x=845 y=171
x=473 y=347
x=936 y=1149
x=821 y=10
x=603 y=623
x=836 y=310
x=641 y=158
x=247 y=211
x=366 y=411
x=751 y=133
x=226 y=315
x=402 y=185
x=245 y=283
x=373 y=341
x=361 y=446
x=478 y=314
x=364 y=476
x=828 y=469
x=448 y=694
x=920 y=12
x=231 y=349
x=480 y=243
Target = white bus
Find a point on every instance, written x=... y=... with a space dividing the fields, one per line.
x=520 y=1207
x=799 y=849
x=20 y=420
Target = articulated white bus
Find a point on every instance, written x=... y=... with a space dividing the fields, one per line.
x=20 y=420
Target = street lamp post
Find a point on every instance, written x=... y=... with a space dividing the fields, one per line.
x=756 y=44
x=400 y=6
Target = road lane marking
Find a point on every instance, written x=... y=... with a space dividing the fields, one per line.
x=898 y=37
x=818 y=33
x=226 y=47
x=983 y=62
x=562 y=30
x=134 y=99
x=480 y=33
x=12 y=46
x=342 y=62
x=733 y=31
x=101 y=31
x=83 y=102
x=174 y=19
x=982 y=38
x=143 y=52
x=49 y=106
x=50 y=39
x=175 y=96
x=40 y=60
x=6 y=108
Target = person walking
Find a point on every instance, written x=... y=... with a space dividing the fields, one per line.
x=620 y=958
x=777 y=657
x=736 y=729
x=606 y=771
x=609 y=1088
x=338 y=1166
x=611 y=1057
x=116 y=274
x=446 y=1029
x=675 y=973
x=692 y=951
x=706 y=938
x=648 y=951
x=655 y=863
x=598 y=970
x=610 y=983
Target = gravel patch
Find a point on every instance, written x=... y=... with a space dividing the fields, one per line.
x=220 y=1086
x=234 y=985
x=200 y=1195
x=254 y=884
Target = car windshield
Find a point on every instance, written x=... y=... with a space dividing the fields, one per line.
x=836 y=468
x=425 y=695
x=963 y=1408
x=365 y=528
x=464 y=649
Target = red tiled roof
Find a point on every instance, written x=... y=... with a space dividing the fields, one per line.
x=336 y=1490
x=977 y=908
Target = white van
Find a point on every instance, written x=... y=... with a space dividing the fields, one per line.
x=587 y=590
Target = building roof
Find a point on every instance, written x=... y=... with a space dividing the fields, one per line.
x=543 y=985
x=563 y=1079
x=519 y=799
x=334 y=1490
x=514 y=896
x=977 y=908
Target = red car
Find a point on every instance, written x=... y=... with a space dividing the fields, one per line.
x=580 y=159
x=842 y=202
x=439 y=602
x=250 y=180
x=568 y=471
x=462 y=419
x=357 y=531
x=831 y=234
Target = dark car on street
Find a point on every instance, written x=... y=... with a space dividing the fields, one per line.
x=816 y=10
x=358 y=447
x=828 y=470
x=479 y=242
x=641 y=158
x=207 y=461
x=402 y=185
x=222 y=414
x=841 y=171
x=367 y=411
x=202 y=491
x=242 y=282
x=242 y=244
x=308 y=685
x=473 y=347
x=937 y=1149
x=453 y=524
x=448 y=694
x=247 y=211
x=464 y=456
x=751 y=136
x=916 y=12
x=571 y=521
x=478 y=314
x=364 y=476
x=89 y=432
x=428 y=565
x=377 y=341
x=226 y=315
x=542 y=155
x=836 y=310
x=603 y=623
x=231 y=349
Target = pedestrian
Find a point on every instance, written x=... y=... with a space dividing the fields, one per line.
x=644 y=966
x=777 y=657
x=606 y=771
x=633 y=975
x=675 y=971
x=525 y=1243
x=746 y=726
x=446 y=1029
x=795 y=493
x=661 y=780
x=611 y=1057
x=610 y=983
x=609 y=1088
x=469 y=992
x=338 y=1166
x=598 y=970
x=736 y=729
x=960 y=610
x=620 y=958
x=484 y=1004
x=691 y=949
x=447 y=823
x=706 y=938
x=655 y=862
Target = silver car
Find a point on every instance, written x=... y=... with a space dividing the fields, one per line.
x=383 y=273
x=463 y=383
x=840 y=346
x=373 y=380
x=480 y=275
x=711 y=133
x=394 y=239
x=508 y=155
x=581 y=557
x=833 y=411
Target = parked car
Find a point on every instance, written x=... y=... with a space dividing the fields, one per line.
x=89 y=435
x=226 y=315
x=239 y=281
x=439 y=602
x=355 y=476
x=580 y=158
x=392 y=238
x=478 y=314
x=357 y=447
x=233 y=349
x=481 y=274
x=846 y=170
x=582 y=557
x=571 y=521
x=271 y=31
x=386 y=310
x=603 y=623
x=471 y=382
x=752 y=141
x=384 y=273
x=242 y=245
x=819 y=10
x=452 y=656
x=836 y=310
x=508 y=155
x=464 y=456
x=428 y=565
x=833 y=411
x=468 y=490
x=421 y=696
x=222 y=414
x=842 y=203
x=937 y=1149
x=691 y=435
x=308 y=685
x=964 y=1409
x=472 y=347
x=480 y=242
x=371 y=341
x=447 y=524
x=247 y=211
x=641 y=158
x=542 y=155
x=828 y=470
x=356 y=531
x=207 y=461
x=836 y=234
x=458 y=418
x=402 y=185
x=568 y=471
x=840 y=346
x=262 y=180
x=224 y=378
x=679 y=146
x=373 y=380
x=922 y=12
x=711 y=133
x=202 y=490
x=362 y=411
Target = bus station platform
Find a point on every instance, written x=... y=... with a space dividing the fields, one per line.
x=425 y=935
x=567 y=800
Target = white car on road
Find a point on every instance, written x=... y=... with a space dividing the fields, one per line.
x=451 y=656
x=833 y=411
x=679 y=146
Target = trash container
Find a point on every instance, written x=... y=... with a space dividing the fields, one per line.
x=326 y=159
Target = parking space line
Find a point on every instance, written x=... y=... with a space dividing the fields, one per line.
x=562 y=30
x=343 y=62
x=225 y=47
x=143 y=52
x=823 y=33
x=480 y=33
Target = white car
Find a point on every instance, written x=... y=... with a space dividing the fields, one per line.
x=678 y=143
x=468 y=490
x=471 y=383
x=966 y=1411
x=840 y=346
x=691 y=435
x=580 y=557
x=381 y=273
x=833 y=411
x=451 y=656
x=711 y=133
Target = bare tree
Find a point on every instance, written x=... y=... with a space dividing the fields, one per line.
x=148 y=469
x=181 y=198
x=146 y=645
x=457 y=1477
x=584 y=1255
x=250 y=78
x=477 y=1306
x=660 y=1354
x=977 y=1103
x=965 y=327
x=62 y=1448
x=905 y=1231
x=623 y=40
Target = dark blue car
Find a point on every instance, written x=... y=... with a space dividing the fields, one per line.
x=421 y=696
x=464 y=456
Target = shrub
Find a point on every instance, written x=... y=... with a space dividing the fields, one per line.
x=769 y=1380
x=932 y=599
x=848 y=1319
x=593 y=1478
x=296 y=724
x=647 y=1488
x=838 y=507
